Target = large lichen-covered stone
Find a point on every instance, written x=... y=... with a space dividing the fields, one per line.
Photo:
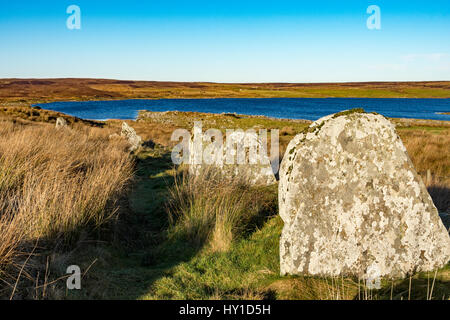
x=242 y=156
x=352 y=203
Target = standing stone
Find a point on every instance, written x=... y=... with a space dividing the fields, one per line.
x=61 y=123
x=133 y=139
x=242 y=156
x=352 y=203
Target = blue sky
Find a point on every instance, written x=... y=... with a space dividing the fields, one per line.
x=227 y=41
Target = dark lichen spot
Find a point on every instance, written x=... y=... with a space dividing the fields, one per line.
x=290 y=169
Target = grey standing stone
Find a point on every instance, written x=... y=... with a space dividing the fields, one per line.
x=353 y=204
x=61 y=123
x=133 y=139
x=241 y=156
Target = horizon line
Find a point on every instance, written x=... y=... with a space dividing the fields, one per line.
x=216 y=82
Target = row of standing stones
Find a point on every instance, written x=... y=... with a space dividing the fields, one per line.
x=244 y=148
x=128 y=133
x=350 y=199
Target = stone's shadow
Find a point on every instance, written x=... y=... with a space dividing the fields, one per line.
x=149 y=144
x=441 y=198
x=266 y=212
x=95 y=123
x=445 y=217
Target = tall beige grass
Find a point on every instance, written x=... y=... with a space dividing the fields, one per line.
x=212 y=209
x=430 y=154
x=56 y=184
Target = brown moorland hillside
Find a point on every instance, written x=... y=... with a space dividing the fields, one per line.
x=48 y=90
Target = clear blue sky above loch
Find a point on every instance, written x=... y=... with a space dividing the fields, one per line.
x=227 y=41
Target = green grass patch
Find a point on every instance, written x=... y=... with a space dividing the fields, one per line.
x=241 y=272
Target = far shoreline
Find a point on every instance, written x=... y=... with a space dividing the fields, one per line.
x=139 y=110
x=401 y=122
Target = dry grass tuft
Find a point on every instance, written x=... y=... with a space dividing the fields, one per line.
x=56 y=185
x=430 y=154
x=212 y=209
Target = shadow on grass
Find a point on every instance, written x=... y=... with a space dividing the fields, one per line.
x=269 y=196
x=140 y=254
x=421 y=287
x=441 y=198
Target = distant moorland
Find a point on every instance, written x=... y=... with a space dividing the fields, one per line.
x=49 y=90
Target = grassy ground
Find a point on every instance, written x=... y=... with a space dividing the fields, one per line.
x=154 y=265
x=168 y=240
x=249 y=268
